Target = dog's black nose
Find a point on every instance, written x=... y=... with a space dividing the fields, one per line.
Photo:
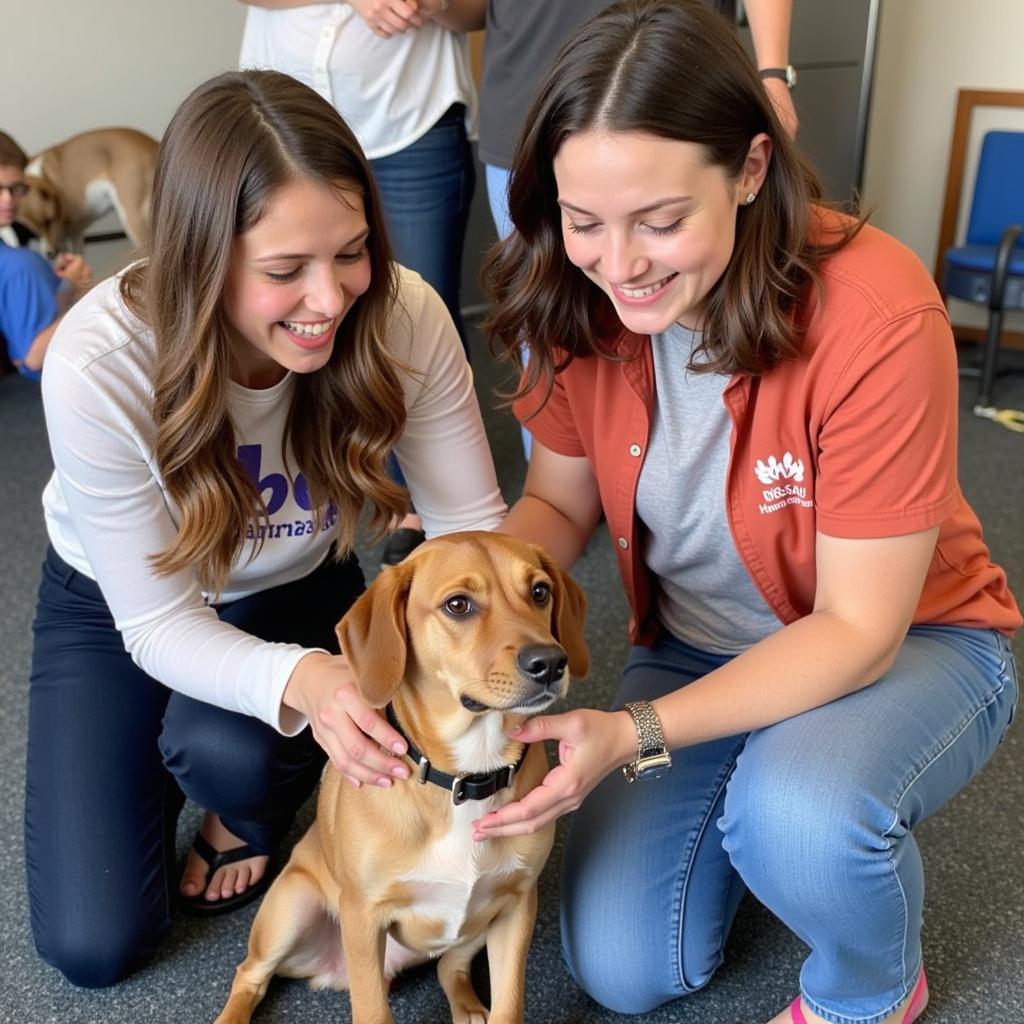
x=543 y=663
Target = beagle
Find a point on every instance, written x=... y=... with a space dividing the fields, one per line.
x=469 y=635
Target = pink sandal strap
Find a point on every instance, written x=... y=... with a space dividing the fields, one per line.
x=914 y=1008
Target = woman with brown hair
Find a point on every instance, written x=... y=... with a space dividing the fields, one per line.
x=760 y=394
x=219 y=415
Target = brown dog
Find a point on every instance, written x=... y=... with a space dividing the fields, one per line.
x=467 y=636
x=73 y=184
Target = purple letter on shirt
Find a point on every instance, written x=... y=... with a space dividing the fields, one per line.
x=251 y=457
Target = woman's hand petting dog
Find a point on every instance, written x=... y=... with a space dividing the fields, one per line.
x=355 y=736
x=590 y=745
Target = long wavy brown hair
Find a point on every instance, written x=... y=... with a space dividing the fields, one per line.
x=673 y=69
x=231 y=144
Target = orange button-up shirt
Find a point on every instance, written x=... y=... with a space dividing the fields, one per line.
x=857 y=437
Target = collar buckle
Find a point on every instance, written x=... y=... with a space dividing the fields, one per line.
x=458 y=788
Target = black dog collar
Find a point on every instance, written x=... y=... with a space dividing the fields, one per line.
x=465 y=785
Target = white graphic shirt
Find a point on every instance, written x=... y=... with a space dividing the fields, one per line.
x=106 y=508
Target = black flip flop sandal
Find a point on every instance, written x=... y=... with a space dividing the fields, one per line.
x=199 y=905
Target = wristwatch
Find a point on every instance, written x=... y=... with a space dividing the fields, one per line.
x=787 y=74
x=652 y=757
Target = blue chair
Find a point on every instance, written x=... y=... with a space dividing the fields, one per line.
x=988 y=268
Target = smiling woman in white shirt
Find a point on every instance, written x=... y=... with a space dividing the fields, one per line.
x=219 y=414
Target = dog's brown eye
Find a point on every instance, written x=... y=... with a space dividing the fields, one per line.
x=458 y=605
x=541 y=593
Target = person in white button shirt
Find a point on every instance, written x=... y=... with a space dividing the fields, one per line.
x=219 y=414
x=398 y=72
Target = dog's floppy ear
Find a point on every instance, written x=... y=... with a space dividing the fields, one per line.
x=373 y=635
x=568 y=615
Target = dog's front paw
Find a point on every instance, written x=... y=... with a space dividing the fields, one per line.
x=475 y=1013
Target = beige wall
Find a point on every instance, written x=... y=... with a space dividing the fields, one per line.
x=927 y=50
x=71 y=65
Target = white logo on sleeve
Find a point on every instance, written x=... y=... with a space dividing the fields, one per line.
x=772 y=470
x=777 y=472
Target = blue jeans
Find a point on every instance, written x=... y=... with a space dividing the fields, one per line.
x=112 y=754
x=814 y=815
x=426 y=190
x=497 y=198
x=496 y=179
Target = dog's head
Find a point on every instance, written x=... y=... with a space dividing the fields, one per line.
x=42 y=210
x=478 y=620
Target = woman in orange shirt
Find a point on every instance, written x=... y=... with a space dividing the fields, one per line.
x=760 y=395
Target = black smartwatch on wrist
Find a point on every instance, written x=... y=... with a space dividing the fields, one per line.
x=787 y=74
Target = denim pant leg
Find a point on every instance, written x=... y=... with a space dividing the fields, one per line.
x=99 y=806
x=237 y=766
x=426 y=190
x=496 y=179
x=820 y=811
x=648 y=894
x=395 y=470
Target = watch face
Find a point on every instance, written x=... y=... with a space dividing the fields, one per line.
x=654 y=766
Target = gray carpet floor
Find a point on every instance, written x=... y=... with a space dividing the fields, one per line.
x=974 y=926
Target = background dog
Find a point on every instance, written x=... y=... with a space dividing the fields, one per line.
x=466 y=637
x=73 y=184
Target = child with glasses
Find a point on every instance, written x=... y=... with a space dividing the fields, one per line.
x=34 y=294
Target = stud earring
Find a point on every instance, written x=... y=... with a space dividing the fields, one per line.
x=751 y=196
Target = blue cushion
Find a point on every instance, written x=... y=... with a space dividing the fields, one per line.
x=983 y=258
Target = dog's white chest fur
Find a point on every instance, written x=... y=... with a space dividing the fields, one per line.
x=456 y=877
x=100 y=199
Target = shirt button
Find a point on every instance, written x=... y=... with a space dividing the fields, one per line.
x=635 y=450
x=623 y=543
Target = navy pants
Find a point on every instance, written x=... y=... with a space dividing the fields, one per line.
x=112 y=754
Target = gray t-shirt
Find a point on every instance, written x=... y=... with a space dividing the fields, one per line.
x=704 y=594
x=523 y=37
